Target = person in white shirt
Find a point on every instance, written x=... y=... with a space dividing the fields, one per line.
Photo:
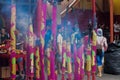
x=59 y=47
x=116 y=31
x=59 y=42
x=101 y=48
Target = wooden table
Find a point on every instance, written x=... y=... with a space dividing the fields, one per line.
x=5 y=59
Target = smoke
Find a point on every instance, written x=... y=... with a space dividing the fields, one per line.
x=22 y=18
x=5 y=9
x=23 y=13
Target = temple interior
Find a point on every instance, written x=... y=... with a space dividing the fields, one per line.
x=59 y=39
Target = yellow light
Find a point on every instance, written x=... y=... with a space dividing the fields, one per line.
x=116 y=6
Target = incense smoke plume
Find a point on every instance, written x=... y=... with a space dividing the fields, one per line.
x=23 y=13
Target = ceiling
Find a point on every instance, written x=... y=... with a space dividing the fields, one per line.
x=102 y=4
x=61 y=8
x=82 y=4
x=116 y=4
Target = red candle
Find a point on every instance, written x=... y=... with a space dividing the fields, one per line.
x=13 y=42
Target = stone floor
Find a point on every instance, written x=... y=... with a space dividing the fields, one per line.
x=109 y=77
x=104 y=77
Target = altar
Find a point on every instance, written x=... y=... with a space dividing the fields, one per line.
x=5 y=63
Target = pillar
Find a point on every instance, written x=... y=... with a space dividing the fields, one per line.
x=111 y=20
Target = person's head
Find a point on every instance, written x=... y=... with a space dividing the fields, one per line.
x=3 y=31
x=99 y=32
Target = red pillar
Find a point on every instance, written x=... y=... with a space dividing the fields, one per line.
x=94 y=13
x=111 y=20
x=94 y=38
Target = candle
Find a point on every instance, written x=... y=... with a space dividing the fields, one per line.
x=93 y=56
x=87 y=47
x=13 y=42
x=37 y=63
x=13 y=65
x=30 y=53
x=76 y=60
x=42 y=34
x=63 y=59
x=54 y=23
x=13 y=27
x=41 y=23
x=69 y=65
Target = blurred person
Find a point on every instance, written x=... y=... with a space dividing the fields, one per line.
x=59 y=47
x=48 y=38
x=101 y=48
x=116 y=31
x=20 y=40
x=88 y=50
x=3 y=35
x=73 y=36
